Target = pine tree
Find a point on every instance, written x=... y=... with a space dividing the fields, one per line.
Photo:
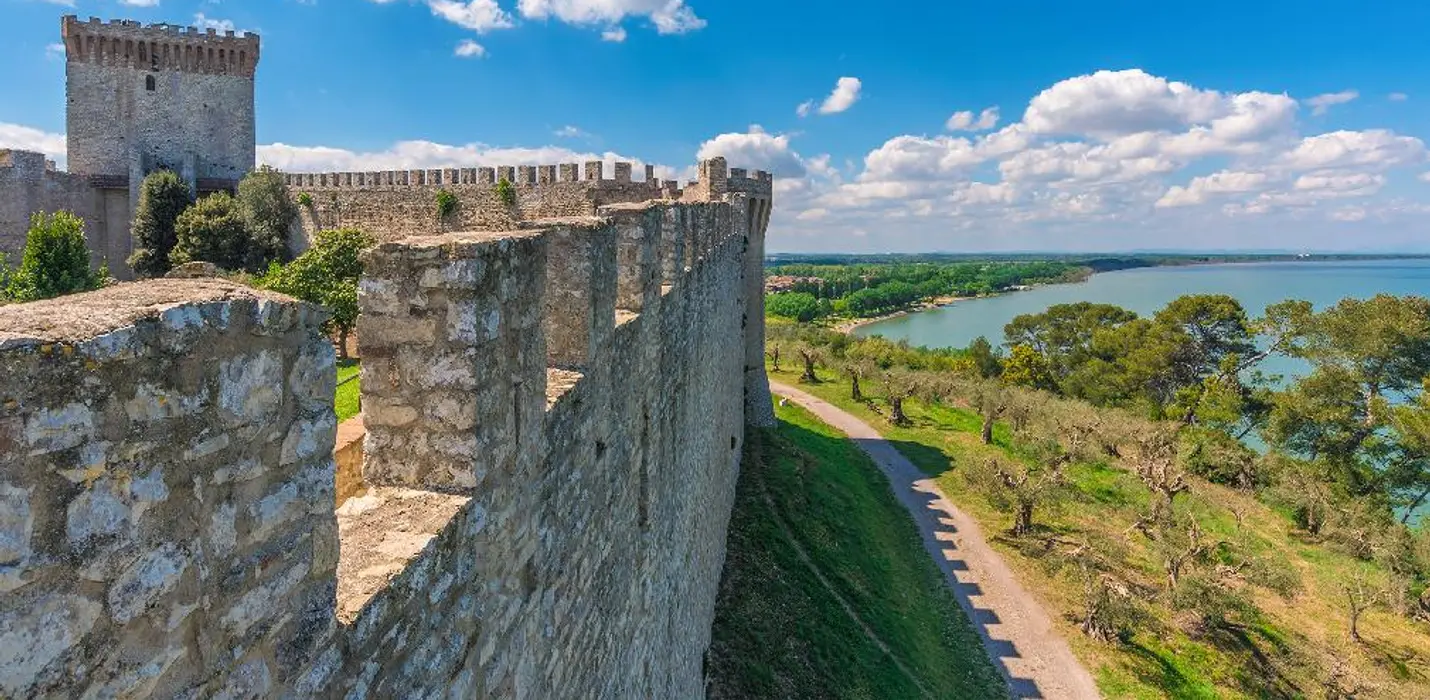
x=162 y=198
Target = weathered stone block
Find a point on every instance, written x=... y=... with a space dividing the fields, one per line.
x=250 y=388
x=155 y=574
x=34 y=638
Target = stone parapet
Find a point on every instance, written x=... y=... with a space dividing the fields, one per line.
x=166 y=474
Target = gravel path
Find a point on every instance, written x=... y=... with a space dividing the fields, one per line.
x=1017 y=632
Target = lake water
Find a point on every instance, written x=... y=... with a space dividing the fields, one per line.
x=1146 y=290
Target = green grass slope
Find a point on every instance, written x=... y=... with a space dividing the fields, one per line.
x=1291 y=649
x=827 y=592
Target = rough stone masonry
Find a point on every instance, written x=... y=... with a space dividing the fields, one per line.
x=555 y=416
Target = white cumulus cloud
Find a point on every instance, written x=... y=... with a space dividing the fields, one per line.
x=1224 y=182
x=967 y=121
x=1375 y=148
x=845 y=94
x=203 y=21
x=477 y=15
x=756 y=149
x=24 y=138
x=1113 y=103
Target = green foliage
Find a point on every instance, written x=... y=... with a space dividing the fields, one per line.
x=305 y=199
x=985 y=358
x=1216 y=593
x=327 y=274
x=267 y=213
x=1064 y=333
x=506 y=193
x=163 y=196
x=800 y=306
x=446 y=203
x=55 y=261
x=1109 y=356
x=1026 y=367
x=1219 y=458
x=212 y=230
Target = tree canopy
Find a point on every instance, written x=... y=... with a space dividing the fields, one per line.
x=212 y=230
x=267 y=213
x=326 y=274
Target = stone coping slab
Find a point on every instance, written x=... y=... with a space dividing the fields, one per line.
x=381 y=532
x=79 y=317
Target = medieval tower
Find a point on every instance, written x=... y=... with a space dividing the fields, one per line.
x=145 y=98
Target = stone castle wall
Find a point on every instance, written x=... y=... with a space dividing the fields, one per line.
x=141 y=98
x=554 y=419
x=28 y=184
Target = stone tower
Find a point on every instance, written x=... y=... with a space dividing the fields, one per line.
x=143 y=98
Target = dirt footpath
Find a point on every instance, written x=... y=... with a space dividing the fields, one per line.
x=1017 y=632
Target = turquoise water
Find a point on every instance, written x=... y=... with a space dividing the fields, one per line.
x=1145 y=290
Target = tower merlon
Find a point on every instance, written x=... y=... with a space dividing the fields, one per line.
x=157 y=47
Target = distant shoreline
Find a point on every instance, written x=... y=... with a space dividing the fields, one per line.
x=848 y=326
x=1150 y=258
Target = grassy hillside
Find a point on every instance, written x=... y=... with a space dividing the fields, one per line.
x=1291 y=646
x=827 y=592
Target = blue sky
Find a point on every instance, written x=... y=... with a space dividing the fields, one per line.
x=891 y=126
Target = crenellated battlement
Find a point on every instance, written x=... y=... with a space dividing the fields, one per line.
x=28 y=162
x=517 y=175
x=156 y=47
x=400 y=203
x=591 y=173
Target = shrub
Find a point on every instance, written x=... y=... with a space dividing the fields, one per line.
x=305 y=199
x=55 y=261
x=267 y=213
x=446 y=203
x=506 y=192
x=212 y=231
x=163 y=196
x=326 y=274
